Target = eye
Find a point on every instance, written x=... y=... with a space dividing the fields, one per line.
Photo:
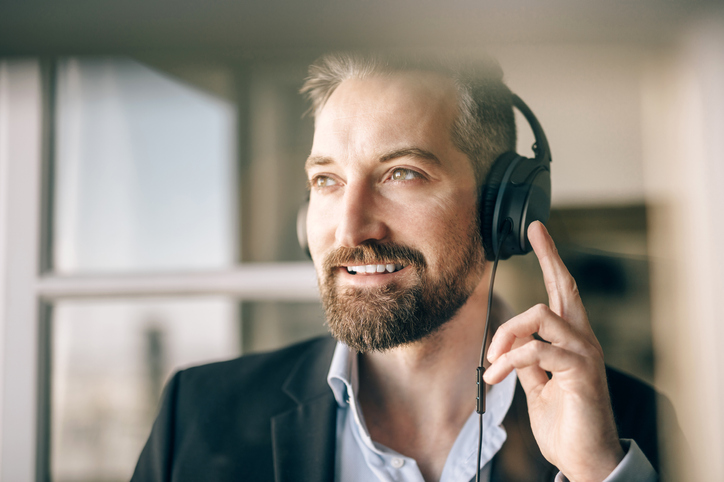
x=403 y=174
x=323 y=181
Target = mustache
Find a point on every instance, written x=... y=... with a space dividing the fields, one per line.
x=373 y=253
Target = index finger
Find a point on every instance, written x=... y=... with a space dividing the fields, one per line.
x=563 y=297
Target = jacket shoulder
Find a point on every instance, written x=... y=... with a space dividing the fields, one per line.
x=262 y=370
x=215 y=419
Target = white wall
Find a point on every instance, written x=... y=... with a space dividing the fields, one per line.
x=683 y=107
x=587 y=98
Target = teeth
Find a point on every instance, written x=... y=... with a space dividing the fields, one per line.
x=374 y=268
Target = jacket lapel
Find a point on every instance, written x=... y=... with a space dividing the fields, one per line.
x=304 y=438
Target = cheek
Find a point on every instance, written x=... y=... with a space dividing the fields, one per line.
x=447 y=226
x=453 y=212
x=320 y=231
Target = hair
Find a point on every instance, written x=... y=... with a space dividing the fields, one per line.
x=485 y=125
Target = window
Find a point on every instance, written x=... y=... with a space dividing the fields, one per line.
x=163 y=206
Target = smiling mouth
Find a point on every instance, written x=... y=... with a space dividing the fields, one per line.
x=374 y=268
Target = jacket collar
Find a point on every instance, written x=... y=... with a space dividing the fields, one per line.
x=304 y=438
x=307 y=380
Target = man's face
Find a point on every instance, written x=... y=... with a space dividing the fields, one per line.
x=393 y=206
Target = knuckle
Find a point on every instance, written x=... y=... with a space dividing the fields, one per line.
x=502 y=329
x=590 y=364
x=568 y=285
x=551 y=286
x=599 y=351
x=596 y=350
x=541 y=309
x=593 y=355
x=588 y=352
x=503 y=359
x=535 y=346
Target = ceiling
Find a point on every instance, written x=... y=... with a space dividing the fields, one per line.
x=273 y=27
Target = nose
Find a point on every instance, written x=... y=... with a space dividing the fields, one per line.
x=361 y=218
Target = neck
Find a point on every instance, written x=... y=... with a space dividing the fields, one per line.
x=436 y=370
x=425 y=390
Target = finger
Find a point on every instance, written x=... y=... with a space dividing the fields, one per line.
x=529 y=376
x=533 y=376
x=535 y=353
x=563 y=295
x=538 y=319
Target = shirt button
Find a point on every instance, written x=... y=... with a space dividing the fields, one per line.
x=397 y=463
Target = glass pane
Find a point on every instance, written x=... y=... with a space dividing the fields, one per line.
x=269 y=325
x=280 y=140
x=110 y=360
x=144 y=170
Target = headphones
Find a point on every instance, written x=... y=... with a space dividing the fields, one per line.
x=516 y=192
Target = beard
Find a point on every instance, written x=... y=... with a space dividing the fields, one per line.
x=380 y=318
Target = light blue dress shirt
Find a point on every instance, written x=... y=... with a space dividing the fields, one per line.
x=359 y=459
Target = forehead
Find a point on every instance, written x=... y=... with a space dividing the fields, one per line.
x=407 y=109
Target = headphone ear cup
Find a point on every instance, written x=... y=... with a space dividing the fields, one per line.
x=302 y=228
x=489 y=198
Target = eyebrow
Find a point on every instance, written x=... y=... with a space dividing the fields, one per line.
x=414 y=152
x=388 y=156
x=317 y=161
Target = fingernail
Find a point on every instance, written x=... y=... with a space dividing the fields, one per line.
x=493 y=350
x=491 y=356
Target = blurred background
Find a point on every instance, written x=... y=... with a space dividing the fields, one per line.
x=151 y=167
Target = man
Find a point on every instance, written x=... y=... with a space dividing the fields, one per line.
x=398 y=157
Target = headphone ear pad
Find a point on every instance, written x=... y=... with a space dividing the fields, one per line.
x=302 y=228
x=489 y=198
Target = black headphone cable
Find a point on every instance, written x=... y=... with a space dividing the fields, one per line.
x=480 y=400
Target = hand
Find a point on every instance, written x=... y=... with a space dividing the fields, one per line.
x=570 y=412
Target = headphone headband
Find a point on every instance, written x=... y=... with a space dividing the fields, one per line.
x=540 y=148
x=517 y=191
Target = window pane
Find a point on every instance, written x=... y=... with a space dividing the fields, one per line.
x=144 y=170
x=110 y=362
x=267 y=325
x=280 y=140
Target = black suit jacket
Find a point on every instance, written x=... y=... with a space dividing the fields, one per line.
x=272 y=417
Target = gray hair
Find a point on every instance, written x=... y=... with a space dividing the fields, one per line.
x=485 y=124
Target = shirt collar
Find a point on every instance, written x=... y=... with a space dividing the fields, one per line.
x=343 y=379
x=343 y=376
